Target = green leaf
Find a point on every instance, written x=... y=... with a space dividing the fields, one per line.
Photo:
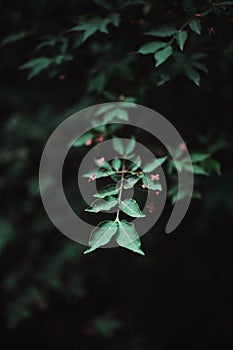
x=118 y=146
x=200 y=66
x=90 y=173
x=116 y=164
x=131 y=208
x=151 y=47
x=36 y=65
x=181 y=38
x=102 y=204
x=130 y=146
x=213 y=165
x=199 y=157
x=104 y=108
x=192 y=74
x=136 y=163
x=97 y=24
x=151 y=185
x=154 y=164
x=15 y=37
x=162 y=55
x=163 y=32
x=131 y=180
x=195 y=26
x=117 y=113
x=116 y=177
x=196 y=169
x=102 y=234
x=82 y=139
x=164 y=77
x=127 y=237
x=108 y=190
x=103 y=173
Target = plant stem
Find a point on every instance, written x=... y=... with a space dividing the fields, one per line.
x=120 y=192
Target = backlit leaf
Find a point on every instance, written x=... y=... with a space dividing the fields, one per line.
x=127 y=237
x=154 y=164
x=102 y=234
x=131 y=208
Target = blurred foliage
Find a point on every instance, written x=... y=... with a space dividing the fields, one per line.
x=80 y=53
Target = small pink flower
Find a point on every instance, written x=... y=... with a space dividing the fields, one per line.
x=92 y=177
x=88 y=142
x=143 y=186
x=157 y=193
x=183 y=147
x=99 y=138
x=197 y=15
x=151 y=208
x=100 y=160
x=155 y=177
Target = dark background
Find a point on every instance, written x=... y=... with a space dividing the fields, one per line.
x=179 y=295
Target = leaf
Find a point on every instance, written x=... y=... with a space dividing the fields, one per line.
x=131 y=208
x=102 y=204
x=214 y=165
x=163 y=32
x=108 y=190
x=118 y=113
x=116 y=164
x=136 y=163
x=90 y=173
x=127 y=237
x=151 y=185
x=115 y=19
x=82 y=139
x=116 y=177
x=164 y=77
x=97 y=24
x=130 y=146
x=131 y=180
x=151 y=47
x=162 y=55
x=15 y=37
x=101 y=235
x=192 y=74
x=200 y=66
x=181 y=38
x=103 y=173
x=118 y=146
x=154 y=164
x=104 y=108
x=195 y=26
x=196 y=169
x=199 y=157
x=36 y=65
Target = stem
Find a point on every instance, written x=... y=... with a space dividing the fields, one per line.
x=120 y=192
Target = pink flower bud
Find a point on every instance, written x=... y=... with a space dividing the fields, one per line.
x=155 y=177
x=99 y=138
x=100 y=160
x=183 y=147
x=88 y=142
x=92 y=178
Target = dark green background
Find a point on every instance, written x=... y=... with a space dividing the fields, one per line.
x=179 y=296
